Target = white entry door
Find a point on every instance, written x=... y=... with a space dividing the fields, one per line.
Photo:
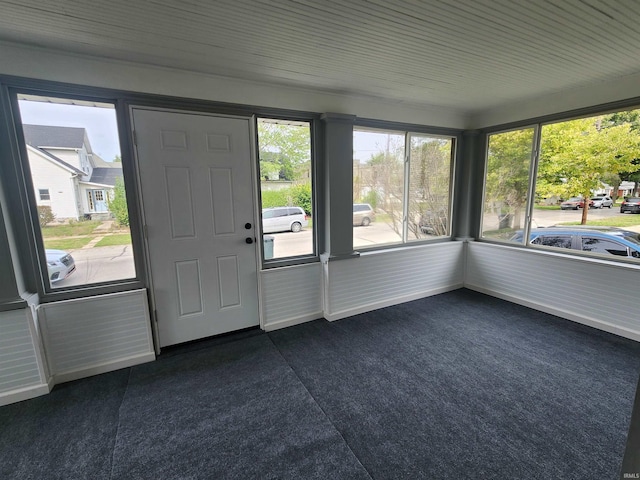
x=197 y=190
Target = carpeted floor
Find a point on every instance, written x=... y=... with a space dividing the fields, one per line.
x=459 y=385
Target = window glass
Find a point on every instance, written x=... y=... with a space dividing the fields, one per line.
x=601 y=245
x=378 y=187
x=429 y=186
x=401 y=187
x=558 y=241
x=73 y=148
x=286 y=181
x=507 y=183
x=587 y=182
x=588 y=170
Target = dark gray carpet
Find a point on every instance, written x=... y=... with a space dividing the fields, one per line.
x=456 y=386
x=68 y=434
x=236 y=411
x=465 y=386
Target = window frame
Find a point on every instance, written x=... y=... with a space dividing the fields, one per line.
x=539 y=123
x=314 y=133
x=44 y=192
x=37 y=275
x=531 y=180
x=409 y=130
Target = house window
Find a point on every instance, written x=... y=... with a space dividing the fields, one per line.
x=286 y=188
x=90 y=243
x=575 y=181
x=401 y=187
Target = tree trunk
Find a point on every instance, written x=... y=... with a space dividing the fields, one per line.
x=584 y=211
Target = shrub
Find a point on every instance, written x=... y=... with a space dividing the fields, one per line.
x=371 y=198
x=301 y=195
x=295 y=196
x=118 y=204
x=45 y=215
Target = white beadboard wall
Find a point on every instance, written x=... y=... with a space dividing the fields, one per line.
x=22 y=374
x=93 y=335
x=585 y=290
x=291 y=295
x=387 y=277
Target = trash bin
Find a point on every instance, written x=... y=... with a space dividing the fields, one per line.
x=267 y=245
x=504 y=221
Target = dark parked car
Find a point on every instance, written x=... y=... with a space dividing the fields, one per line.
x=607 y=240
x=631 y=204
x=574 y=203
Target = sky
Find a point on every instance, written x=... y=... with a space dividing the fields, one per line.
x=100 y=123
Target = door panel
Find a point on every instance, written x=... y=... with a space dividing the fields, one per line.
x=197 y=189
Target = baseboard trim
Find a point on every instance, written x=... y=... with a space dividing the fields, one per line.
x=104 y=368
x=290 y=322
x=591 y=322
x=21 y=394
x=389 y=302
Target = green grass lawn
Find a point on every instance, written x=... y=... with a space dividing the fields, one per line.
x=112 y=240
x=67 y=243
x=629 y=220
x=70 y=229
x=546 y=207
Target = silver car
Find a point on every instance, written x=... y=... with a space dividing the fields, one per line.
x=60 y=264
x=283 y=219
x=363 y=214
x=602 y=201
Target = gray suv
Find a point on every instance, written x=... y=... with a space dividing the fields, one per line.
x=363 y=214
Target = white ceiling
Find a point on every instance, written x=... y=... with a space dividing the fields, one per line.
x=470 y=55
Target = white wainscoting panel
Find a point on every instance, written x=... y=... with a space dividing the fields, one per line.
x=387 y=277
x=93 y=335
x=22 y=374
x=291 y=295
x=595 y=292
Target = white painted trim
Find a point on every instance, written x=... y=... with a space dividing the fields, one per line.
x=21 y=394
x=290 y=322
x=389 y=302
x=104 y=368
x=599 y=324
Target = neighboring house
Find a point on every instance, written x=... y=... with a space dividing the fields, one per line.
x=67 y=175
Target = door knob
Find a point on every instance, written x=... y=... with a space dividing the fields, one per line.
x=249 y=240
x=247 y=226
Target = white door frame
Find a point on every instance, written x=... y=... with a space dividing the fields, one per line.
x=256 y=219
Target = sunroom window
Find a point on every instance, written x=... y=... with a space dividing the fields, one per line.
x=73 y=147
x=401 y=187
x=585 y=188
x=286 y=188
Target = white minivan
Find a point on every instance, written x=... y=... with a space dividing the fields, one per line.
x=283 y=219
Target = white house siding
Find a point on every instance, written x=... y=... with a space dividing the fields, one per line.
x=67 y=155
x=59 y=182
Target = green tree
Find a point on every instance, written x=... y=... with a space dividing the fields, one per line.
x=632 y=118
x=118 y=204
x=286 y=145
x=576 y=156
x=507 y=181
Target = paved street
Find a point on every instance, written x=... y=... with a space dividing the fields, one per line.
x=101 y=264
